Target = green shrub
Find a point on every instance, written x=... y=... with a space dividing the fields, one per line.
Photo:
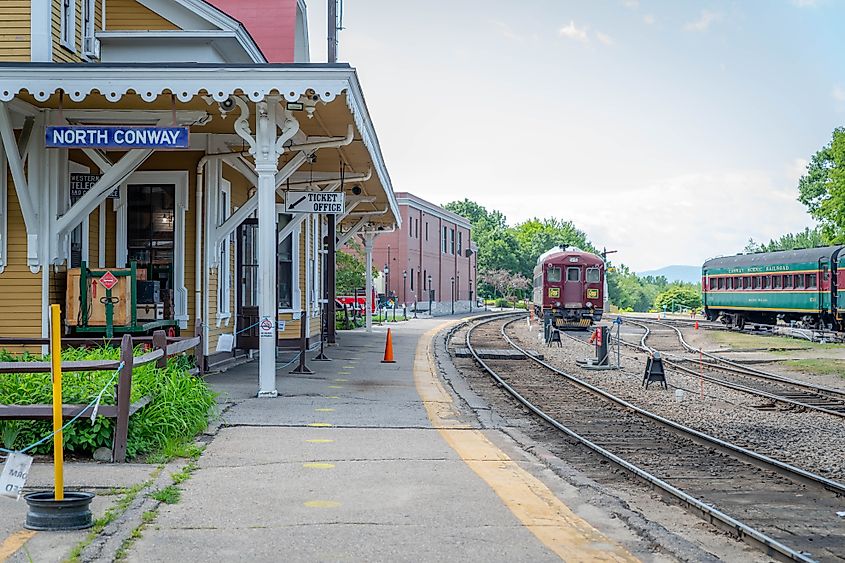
x=179 y=409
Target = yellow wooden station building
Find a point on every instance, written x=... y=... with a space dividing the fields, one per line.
x=151 y=139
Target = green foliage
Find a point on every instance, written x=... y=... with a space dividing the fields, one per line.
x=168 y=495
x=629 y=291
x=180 y=406
x=349 y=272
x=822 y=187
x=678 y=296
x=536 y=236
x=808 y=238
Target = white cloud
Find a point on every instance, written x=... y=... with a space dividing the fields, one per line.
x=506 y=31
x=703 y=22
x=838 y=93
x=571 y=31
x=604 y=38
x=689 y=218
x=648 y=18
x=797 y=169
x=631 y=4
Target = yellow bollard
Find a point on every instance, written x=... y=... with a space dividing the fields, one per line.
x=56 y=359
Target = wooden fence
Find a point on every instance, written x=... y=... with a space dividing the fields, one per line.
x=162 y=348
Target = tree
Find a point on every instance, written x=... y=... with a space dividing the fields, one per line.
x=822 y=187
x=536 y=236
x=808 y=238
x=685 y=296
x=349 y=273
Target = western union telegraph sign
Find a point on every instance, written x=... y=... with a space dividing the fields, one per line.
x=117 y=137
x=330 y=203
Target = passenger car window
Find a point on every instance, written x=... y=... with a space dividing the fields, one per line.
x=799 y=281
x=787 y=281
x=592 y=275
x=553 y=275
x=811 y=281
x=573 y=274
x=777 y=282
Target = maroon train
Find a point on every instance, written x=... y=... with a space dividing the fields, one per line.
x=569 y=288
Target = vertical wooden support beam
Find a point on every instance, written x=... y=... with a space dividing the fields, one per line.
x=123 y=398
x=331 y=283
x=160 y=343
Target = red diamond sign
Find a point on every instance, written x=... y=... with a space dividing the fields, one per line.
x=108 y=280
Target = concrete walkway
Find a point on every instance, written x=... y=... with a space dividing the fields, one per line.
x=362 y=461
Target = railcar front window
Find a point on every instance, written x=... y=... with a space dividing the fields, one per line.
x=573 y=274
x=592 y=275
x=553 y=275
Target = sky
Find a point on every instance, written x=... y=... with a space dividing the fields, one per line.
x=669 y=131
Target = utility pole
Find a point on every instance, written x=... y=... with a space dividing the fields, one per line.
x=332 y=31
x=606 y=304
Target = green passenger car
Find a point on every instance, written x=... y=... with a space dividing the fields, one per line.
x=791 y=285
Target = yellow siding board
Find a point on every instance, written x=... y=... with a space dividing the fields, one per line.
x=14 y=30
x=129 y=15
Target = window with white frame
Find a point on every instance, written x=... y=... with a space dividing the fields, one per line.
x=286 y=279
x=68 y=21
x=316 y=278
x=90 y=45
x=224 y=269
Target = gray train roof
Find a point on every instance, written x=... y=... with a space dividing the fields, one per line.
x=779 y=257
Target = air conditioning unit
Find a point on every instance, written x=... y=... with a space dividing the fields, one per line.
x=91 y=47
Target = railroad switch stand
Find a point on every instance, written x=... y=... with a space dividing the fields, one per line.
x=654 y=371
x=554 y=336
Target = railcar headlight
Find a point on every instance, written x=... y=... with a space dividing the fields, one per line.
x=557 y=303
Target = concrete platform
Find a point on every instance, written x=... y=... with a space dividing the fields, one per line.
x=362 y=461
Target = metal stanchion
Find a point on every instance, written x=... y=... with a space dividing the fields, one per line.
x=321 y=357
x=303 y=346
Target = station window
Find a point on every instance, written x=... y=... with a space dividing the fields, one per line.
x=68 y=22
x=592 y=275
x=553 y=275
x=452 y=242
x=746 y=282
x=811 y=281
x=445 y=241
x=285 y=279
x=787 y=281
x=777 y=282
x=426 y=230
x=460 y=243
x=412 y=279
x=799 y=281
x=573 y=274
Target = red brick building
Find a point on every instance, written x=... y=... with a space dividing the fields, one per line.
x=432 y=250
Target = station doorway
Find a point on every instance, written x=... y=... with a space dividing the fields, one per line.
x=246 y=324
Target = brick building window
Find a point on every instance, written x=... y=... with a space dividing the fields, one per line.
x=412 y=279
x=452 y=241
x=460 y=243
x=444 y=241
x=426 y=230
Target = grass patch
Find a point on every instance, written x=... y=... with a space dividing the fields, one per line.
x=743 y=341
x=180 y=407
x=168 y=495
x=176 y=447
x=821 y=366
x=111 y=514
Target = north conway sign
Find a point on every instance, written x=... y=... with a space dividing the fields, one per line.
x=117 y=137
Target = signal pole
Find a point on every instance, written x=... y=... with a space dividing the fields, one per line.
x=332 y=31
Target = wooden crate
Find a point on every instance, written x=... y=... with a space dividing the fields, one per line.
x=122 y=315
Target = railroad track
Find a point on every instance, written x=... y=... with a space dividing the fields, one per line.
x=791 y=393
x=759 y=329
x=787 y=512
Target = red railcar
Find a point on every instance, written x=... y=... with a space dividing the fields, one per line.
x=569 y=288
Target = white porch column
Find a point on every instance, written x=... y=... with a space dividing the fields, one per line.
x=368 y=277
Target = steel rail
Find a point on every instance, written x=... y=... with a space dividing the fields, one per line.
x=733 y=367
x=707 y=512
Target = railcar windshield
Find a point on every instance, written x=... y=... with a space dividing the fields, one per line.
x=592 y=275
x=573 y=274
x=553 y=275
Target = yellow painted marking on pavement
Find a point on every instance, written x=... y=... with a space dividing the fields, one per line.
x=321 y=504
x=348 y=367
x=320 y=425
x=320 y=441
x=335 y=386
x=315 y=465
x=344 y=373
x=323 y=410
x=341 y=380
x=14 y=542
x=550 y=520
x=331 y=397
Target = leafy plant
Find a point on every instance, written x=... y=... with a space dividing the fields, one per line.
x=180 y=406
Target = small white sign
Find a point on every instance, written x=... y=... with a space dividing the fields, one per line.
x=225 y=343
x=281 y=326
x=14 y=475
x=265 y=327
x=329 y=203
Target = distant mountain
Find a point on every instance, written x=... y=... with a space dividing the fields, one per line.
x=689 y=274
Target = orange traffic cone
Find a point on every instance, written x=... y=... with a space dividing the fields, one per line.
x=388 y=350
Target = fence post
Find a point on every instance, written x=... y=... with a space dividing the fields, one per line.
x=160 y=343
x=123 y=398
x=199 y=350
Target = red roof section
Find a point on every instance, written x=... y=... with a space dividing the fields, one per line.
x=271 y=23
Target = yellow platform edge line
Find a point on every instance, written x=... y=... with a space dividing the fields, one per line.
x=14 y=542
x=562 y=531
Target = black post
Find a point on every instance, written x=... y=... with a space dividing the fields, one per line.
x=331 y=282
x=321 y=357
x=122 y=400
x=303 y=345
